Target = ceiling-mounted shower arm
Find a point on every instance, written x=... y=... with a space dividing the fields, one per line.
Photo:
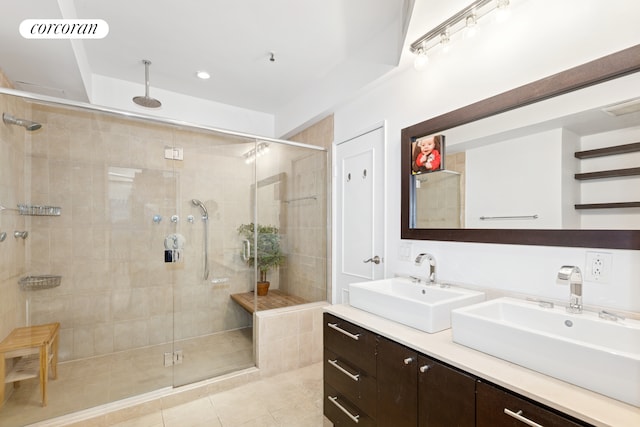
x=146 y=100
x=8 y=119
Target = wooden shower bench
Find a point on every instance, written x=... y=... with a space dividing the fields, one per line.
x=38 y=339
x=274 y=299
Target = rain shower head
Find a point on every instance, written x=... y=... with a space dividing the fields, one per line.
x=196 y=202
x=146 y=100
x=8 y=119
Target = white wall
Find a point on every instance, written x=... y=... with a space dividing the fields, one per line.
x=542 y=37
x=117 y=93
x=516 y=177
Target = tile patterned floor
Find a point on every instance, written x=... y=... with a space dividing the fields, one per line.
x=292 y=399
x=91 y=382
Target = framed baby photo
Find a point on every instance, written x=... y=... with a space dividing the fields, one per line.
x=427 y=154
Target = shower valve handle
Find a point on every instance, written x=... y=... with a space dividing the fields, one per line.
x=246 y=250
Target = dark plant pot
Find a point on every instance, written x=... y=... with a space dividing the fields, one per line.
x=263 y=288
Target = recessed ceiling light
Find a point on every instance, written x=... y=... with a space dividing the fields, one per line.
x=203 y=75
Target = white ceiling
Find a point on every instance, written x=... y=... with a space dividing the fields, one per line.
x=316 y=44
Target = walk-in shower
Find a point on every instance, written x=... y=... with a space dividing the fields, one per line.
x=8 y=119
x=131 y=322
x=205 y=250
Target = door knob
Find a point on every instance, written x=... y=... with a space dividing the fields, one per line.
x=375 y=260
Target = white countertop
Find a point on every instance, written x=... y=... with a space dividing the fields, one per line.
x=578 y=402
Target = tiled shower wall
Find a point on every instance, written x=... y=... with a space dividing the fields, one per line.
x=110 y=178
x=13 y=140
x=307 y=220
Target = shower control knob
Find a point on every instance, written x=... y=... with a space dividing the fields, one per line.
x=157 y=219
x=175 y=218
x=20 y=234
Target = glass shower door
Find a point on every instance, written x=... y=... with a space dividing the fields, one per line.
x=213 y=333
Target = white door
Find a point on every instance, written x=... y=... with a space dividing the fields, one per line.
x=360 y=198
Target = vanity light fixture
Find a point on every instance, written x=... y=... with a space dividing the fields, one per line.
x=203 y=75
x=421 y=61
x=466 y=19
x=445 y=38
x=502 y=7
x=260 y=150
x=471 y=25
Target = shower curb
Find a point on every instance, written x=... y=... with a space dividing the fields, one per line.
x=137 y=406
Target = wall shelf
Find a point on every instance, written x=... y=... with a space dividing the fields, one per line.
x=608 y=151
x=614 y=205
x=608 y=174
x=612 y=173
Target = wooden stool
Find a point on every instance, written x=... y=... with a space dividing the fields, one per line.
x=39 y=339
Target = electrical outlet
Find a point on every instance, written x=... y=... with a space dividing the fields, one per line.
x=598 y=267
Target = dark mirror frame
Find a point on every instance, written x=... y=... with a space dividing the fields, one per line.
x=600 y=70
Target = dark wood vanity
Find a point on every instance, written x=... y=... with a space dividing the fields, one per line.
x=371 y=380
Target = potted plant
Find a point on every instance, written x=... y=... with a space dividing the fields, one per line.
x=269 y=252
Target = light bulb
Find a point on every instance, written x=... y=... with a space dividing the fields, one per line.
x=444 y=41
x=203 y=75
x=502 y=10
x=470 y=26
x=421 y=61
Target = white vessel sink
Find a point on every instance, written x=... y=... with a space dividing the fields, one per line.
x=424 y=307
x=582 y=349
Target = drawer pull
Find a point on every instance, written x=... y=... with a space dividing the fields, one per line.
x=424 y=368
x=342 y=331
x=334 y=400
x=518 y=416
x=334 y=363
x=408 y=360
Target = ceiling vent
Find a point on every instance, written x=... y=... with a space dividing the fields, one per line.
x=40 y=89
x=627 y=107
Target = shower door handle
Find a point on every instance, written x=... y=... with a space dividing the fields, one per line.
x=246 y=250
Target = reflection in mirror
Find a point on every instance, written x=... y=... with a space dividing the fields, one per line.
x=528 y=175
x=439 y=196
x=556 y=163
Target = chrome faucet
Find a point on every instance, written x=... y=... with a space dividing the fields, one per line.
x=574 y=276
x=432 y=265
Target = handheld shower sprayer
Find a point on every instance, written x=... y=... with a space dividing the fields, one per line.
x=203 y=208
x=205 y=251
x=8 y=119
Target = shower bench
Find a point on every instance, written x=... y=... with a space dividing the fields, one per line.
x=26 y=341
x=274 y=299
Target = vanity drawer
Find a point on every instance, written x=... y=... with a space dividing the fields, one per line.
x=355 y=384
x=351 y=342
x=497 y=408
x=342 y=412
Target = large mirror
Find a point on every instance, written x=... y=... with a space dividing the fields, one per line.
x=555 y=162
